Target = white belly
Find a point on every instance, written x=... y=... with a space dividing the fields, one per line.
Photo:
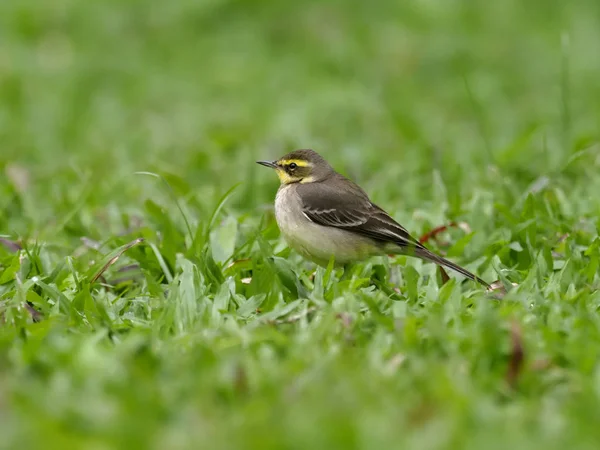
x=317 y=242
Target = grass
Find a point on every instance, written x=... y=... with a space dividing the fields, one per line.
x=122 y=120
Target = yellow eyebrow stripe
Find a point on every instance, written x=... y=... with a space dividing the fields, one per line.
x=298 y=162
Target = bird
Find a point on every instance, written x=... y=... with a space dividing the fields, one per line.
x=323 y=215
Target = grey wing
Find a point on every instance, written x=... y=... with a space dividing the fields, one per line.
x=382 y=226
x=352 y=210
x=335 y=216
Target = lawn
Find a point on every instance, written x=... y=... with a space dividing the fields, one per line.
x=147 y=299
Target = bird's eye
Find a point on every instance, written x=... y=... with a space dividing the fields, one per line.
x=292 y=166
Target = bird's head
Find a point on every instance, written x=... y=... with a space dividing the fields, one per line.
x=300 y=166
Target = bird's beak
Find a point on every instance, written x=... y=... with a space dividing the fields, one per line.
x=271 y=164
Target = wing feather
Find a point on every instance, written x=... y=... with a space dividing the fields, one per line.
x=352 y=210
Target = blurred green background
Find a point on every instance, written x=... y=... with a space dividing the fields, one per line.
x=474 y=111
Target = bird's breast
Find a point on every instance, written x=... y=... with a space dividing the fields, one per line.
x=313 y=241
x=288 y=210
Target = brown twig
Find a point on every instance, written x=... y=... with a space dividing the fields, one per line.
x=240 y=380
x=517 y=355
x=345 y=318
x=433 y=233
x=36 y=316
x=12 y=246
x=115 y=258
x=444 y=275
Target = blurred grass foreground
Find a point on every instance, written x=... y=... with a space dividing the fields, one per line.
x=130 y=119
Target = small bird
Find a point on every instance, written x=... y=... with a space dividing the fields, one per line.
x=323 y=214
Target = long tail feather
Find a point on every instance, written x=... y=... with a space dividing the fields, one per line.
x=429 y=256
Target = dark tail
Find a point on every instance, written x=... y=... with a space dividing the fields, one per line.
x=429 y=256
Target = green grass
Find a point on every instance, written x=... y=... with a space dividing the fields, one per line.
x=135 y=119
